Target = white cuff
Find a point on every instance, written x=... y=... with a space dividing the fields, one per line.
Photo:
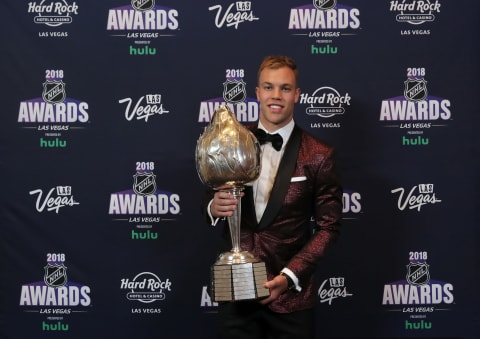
x=213 y=221
x=292 y=275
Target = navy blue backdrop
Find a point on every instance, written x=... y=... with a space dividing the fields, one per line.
x=101 y=233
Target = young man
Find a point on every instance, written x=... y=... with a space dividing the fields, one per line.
x=297 y=182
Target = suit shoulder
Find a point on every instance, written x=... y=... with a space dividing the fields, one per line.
x=310 y=140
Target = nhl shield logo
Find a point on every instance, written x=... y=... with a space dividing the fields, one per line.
x=234 y=91
x=417 y=273
x=53 y=91
x=415 y=89
x=143 y=5
x=55 y=275
x=324 y=5
x=144 y=183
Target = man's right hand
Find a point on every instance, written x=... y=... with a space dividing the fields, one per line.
x=223 y=204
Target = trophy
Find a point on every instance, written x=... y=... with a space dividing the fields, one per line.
x=228 y=157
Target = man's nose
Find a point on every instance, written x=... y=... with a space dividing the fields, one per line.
x=276 y=94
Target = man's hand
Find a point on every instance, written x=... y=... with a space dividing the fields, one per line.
x=277 y=286
x=223 y=204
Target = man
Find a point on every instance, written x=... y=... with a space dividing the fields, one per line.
x=297 y=182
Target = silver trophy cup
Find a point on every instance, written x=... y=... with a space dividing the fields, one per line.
x=228 y=157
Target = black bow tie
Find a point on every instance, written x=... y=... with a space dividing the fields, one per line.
x=263 y=137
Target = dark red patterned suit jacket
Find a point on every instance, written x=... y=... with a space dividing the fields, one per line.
x=307 y=186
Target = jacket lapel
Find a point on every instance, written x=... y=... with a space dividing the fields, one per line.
x=282 y=180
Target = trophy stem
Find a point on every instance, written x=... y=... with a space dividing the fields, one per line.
x=234 y=220
x=238 y=275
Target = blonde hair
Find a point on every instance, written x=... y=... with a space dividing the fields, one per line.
x=278 y=61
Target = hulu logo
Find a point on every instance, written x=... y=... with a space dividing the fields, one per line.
x=414 y=141
x=323 y=50
x=142 y=50
x=148 y=235
x=54 y=143
x=418 y=325
x=54 y=327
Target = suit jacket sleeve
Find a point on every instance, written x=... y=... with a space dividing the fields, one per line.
x=321 y=168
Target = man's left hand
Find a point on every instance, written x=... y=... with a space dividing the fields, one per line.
x=277 y=286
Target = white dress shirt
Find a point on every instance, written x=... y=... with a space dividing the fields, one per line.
x=262 y=187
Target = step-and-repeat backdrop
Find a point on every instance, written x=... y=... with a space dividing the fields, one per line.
x=102 y=103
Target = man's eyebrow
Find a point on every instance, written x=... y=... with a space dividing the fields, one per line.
x=281 y=85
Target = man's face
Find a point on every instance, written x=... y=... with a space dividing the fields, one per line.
x=277 y=94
